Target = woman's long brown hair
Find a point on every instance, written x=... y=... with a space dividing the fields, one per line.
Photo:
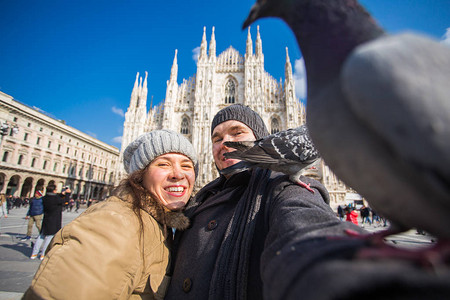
x=131 y=190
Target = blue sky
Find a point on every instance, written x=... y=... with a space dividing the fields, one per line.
x=77 y=60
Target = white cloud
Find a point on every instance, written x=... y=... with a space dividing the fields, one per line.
x=118 y=139
x=118 y=111
x=300 y=78
x=446 y=37
x=195 y=53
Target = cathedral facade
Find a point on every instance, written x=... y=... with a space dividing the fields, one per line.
x=220 y=80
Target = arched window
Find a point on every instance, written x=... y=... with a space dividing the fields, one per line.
x=185 y=126
x=19 y=162
x=230 y=92
x=274 y=126
x=5 y=156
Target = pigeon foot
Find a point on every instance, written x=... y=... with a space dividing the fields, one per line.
x=304 y=185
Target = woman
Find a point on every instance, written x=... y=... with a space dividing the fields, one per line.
x=119 y=248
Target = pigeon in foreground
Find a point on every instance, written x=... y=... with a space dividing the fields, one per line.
x=288 y=151
x=378 y=108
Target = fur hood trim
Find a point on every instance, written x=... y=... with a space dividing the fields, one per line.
x=174 y=219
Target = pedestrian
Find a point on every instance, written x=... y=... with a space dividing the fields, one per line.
x=71 y=204
x=10 y=202
x=119 y=248
x=34 y=214
x=4 y=204
x=351 y=215
x=340 y=212
x=65 y=193
x=375 y=217
x=51 y=222
x=77 y=205
x=365 y=215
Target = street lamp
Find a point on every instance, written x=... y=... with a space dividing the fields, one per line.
x=4 y=130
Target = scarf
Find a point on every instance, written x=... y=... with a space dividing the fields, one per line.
x=229 y=280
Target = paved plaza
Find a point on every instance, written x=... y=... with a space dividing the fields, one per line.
x=17 y=269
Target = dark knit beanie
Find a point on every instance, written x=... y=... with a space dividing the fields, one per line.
x=242 y=114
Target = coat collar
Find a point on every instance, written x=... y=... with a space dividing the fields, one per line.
x=163 y=215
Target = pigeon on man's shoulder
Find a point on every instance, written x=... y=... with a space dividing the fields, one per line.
x=289 y=151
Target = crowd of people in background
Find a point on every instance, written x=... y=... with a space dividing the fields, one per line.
x=14 y=202
x=37 y=215
x=366 y=214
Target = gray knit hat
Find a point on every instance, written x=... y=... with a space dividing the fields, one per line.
x=150 y=145
x=242 y=114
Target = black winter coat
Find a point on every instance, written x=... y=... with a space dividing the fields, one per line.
x=290 y=211
x=299 y=250
x=52 y=221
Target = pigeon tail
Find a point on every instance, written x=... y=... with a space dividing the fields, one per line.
x=240 y=146
x=234 y=169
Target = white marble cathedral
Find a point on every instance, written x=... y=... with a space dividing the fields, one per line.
x=220 y=80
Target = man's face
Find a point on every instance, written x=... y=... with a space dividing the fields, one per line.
x=233 y=131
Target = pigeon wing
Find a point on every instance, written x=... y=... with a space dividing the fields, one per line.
x=399 y=86
x=291 y=145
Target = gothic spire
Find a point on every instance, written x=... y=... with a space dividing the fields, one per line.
x=135 y=92
x=288 y=67
x=138 y=102
x=203 y=46
x=249 y=48
x=258 y=44
x=212 y=44
x=144 y=91
x=174 y=70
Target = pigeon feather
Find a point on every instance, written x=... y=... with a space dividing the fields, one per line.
x=378 y=107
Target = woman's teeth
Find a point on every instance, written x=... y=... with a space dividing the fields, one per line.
x=175 y=189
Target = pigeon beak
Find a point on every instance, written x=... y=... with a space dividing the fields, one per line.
x=252 y=16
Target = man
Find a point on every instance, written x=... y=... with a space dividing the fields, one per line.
x=65 y=193
x=77 y=205
x=34 y=214
x=52 y=221
x=257 y=235
x=243 y=218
